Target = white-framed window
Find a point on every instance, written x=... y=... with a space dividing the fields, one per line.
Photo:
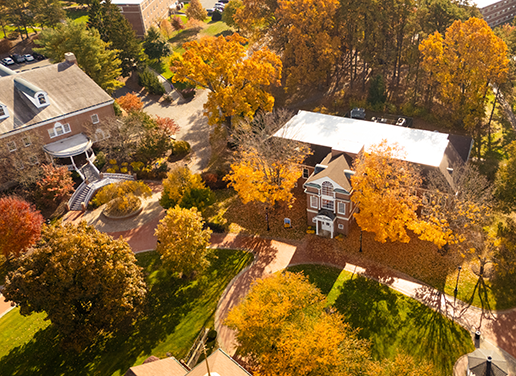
x=95 y=119
x=42 y=99
x=327 y=204
x=3 y=112
x=327 y=189
x=11 y=145
x=26 y=141
x=314 y=220
x=18 y=163
x=59 y=129
x=341 y=226
x=341 y=208
x=33 y=159
x=314 y=202
x=305 y=173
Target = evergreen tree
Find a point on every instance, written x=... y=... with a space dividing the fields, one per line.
x=47 y=13
x=116 y=30
x=154 y=44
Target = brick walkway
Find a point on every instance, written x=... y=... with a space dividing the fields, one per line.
x=498 y=329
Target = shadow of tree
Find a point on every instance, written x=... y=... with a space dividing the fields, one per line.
x=185 y=36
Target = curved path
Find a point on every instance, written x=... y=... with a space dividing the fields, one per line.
x=498 y=328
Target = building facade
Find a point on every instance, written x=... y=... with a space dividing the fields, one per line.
x=336 y=141
x=142 y=14
x=495 y=12
x=45 y=114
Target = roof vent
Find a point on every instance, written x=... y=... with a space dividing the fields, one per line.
x=70 y=58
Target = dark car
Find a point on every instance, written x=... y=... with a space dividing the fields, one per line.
x=357 y=113
x=38 y=56
x=18 y=59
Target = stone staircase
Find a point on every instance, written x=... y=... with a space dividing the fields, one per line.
x=83 y=194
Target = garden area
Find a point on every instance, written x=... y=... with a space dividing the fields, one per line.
x=392 y=322
x=176 y=310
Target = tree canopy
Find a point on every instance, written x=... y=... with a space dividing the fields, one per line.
x=196 y=11
x=182 y=241
x=154 y=45
x=20 y=226
x=87 y=283
x=92 y=53
x=265 y=169
x=283 y=328
x=237 y=78
x=463 y=63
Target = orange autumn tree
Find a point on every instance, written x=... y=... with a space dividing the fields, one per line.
x=130 y=103
x=20 y=226
x=463 y=63
x=265 y=168
x=237 y=78
x=283 y=328
x=384 y=189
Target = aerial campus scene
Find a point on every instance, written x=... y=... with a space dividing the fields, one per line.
x=273 y=188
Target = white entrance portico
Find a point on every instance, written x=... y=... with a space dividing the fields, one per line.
x=325 y=222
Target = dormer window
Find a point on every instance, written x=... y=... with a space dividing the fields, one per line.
x=41 y=99
x=4 y=113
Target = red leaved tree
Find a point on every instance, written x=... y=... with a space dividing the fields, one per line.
x=167 y=125
x=20 y=226
x=130 y=103
x=55 y=186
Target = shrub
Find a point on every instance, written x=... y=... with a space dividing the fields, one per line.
x=214 y=181
x=216 y=16
x=117 y=108
x=180 y=148
x=123 y=170
x=137 y=166
x=177 y=23
x=149 y=81
x=112 y=161
x=122 y=206
x=199 y=198
x=130 y=102
x=100 y=160
x=55 y=186
x=122 y=189
x=177 y=183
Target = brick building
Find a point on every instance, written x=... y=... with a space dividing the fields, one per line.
x=495 y=12
x=45 y=114
x=336 y=141
x=142 y=14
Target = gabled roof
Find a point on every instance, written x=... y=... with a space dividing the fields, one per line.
x=351 y=135
x=68 y=89
x=168 y=366
x=334 y=171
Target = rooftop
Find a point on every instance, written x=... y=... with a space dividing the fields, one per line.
x=351 y=135
x=130 y=2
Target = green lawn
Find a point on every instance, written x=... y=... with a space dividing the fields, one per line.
x=77 y=15
x=391 y=321
x=176 y=311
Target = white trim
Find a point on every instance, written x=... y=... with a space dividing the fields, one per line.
x=35 y=158
x=26 y=144
x=312 y=211
x=340 y=226
x=312 y=200
x=6 y=111
x=343 y=218
x=53 y=120
x=11 y=149
x=53 y=132
x=97 y=117
x=338 y=207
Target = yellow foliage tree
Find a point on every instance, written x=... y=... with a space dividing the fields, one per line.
x=237 y=78
x=265 y=168
x=196 y=11
x=384 y=189
x=283 y=329
x=306 y=33
x=463 y=63
x=178 y=182
x=182 y=241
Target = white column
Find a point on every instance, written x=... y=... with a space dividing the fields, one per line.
x=316 y=227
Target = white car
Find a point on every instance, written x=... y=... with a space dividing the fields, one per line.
x=8 y=61
x=28 y=57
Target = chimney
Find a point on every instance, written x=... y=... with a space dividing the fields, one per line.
x=70 y=58
x=488 y=366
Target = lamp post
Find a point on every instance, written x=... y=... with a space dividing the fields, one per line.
x=360 y=249
x=456 y=290
x=267 y=217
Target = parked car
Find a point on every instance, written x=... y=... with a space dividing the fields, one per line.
x=7 y=61
x=38 y=56
x=224 y=1
x=28 y=57
x=220 y=6
x=18 y=59
x=210 y=11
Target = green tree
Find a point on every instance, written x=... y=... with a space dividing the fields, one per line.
x=505 y=182
x=87 y=283
x=117 y=31
x=377 y=94
x=228 y=16
x=92 y=53
x=179 y=181
x=283 y=328
x=196 y=11
x=154 y=45
x=19 y=15
x=182 y=241
x=47 y=13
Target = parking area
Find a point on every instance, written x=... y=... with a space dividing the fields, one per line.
x=27 y=65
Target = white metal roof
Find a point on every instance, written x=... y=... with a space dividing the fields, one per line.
x=68 y=147
x=350 y=135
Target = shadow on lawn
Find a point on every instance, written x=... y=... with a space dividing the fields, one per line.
x=395 y=323
x=185 y=35
x=170 y=299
